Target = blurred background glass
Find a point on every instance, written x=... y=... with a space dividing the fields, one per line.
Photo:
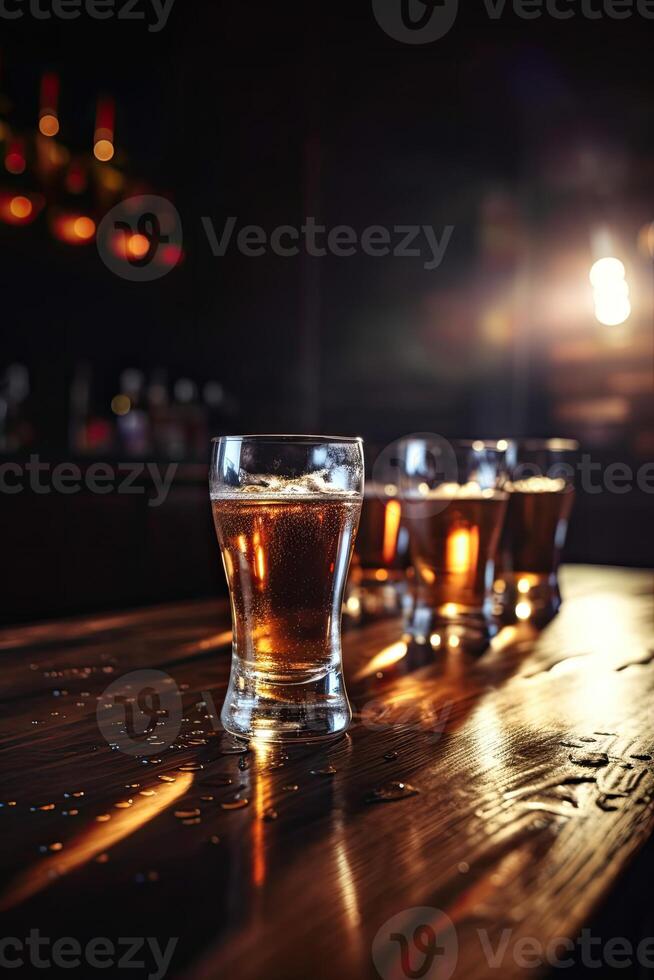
x=454 y=503
x=541 y=485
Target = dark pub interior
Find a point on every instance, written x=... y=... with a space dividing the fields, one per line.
x=415 y=659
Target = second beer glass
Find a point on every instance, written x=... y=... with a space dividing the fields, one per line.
x=454 y=502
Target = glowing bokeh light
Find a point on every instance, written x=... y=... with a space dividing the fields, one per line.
x=606 y=269
x=523 y=610
x=120 y=404
x=84 y=227
x=610 y=291
x=20 y=207
x=103 y=150
x=49 y=124
x=137 y=246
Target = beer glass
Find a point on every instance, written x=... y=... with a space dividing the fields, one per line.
x=286 y=510
x=541 y=495
x=454 y=503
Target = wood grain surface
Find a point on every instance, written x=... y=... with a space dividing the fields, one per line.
x=532 y=765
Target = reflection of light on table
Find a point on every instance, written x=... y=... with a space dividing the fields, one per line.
x=385 y=658
x=98 y=838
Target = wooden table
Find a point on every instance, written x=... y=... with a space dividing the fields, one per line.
x=533 y=765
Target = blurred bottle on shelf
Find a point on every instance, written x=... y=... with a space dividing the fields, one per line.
x=133 y=422
x=16 y=429
x=192 y=415
x=88 y=432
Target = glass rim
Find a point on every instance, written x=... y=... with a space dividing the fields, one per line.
x=500 y=445
x=311 y=440
x=552 y=445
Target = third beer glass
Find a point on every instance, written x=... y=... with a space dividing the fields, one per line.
x=286 y=510
x=454 y=502
x=541 y=495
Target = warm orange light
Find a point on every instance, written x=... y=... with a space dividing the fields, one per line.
x=385 y=658
x=138 y=246
x=49 y=124
x=523 y=610
x=84 y=227
x=260 y=559
x=73 y=229
x=462 y=549
x=20 y=207
x=392 y=514
x=96 y=839
x=103 y=150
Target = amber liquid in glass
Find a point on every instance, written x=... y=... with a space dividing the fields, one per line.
x=286 y=559
x=381 y=543
x=535 y=530
x=453 y=551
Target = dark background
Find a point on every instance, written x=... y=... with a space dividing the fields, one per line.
x=525 y=135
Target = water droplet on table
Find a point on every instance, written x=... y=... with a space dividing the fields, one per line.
x=593 y=759
x=327 y=771
x=389 y=792
x=234 y=804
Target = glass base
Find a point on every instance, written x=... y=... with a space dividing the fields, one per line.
x=308 y=710
x=532 y=597
x=446 y=628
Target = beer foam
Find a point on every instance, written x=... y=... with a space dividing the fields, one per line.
x=455 y=491
x=538 y=484
x=267 y=486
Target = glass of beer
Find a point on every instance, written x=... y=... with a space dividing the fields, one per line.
x=286 y=510
x=454 y=502
x=541 y=495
